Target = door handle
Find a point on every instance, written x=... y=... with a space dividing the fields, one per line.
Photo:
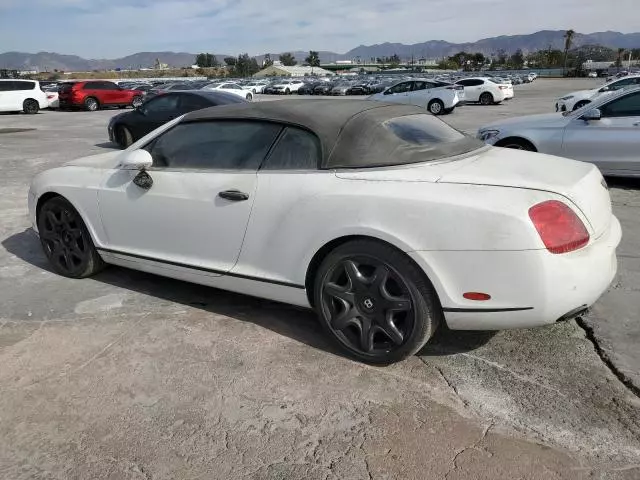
x=637 y=124
x=234 y=195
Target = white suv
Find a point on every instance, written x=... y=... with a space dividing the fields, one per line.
x=22 y=96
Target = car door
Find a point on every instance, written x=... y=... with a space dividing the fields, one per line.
x=154 y=113
x=420 y=94
x=94 y=89
x=112 y=94
x=472 y=89
x=611 y=142
x=399 y=93
x=196 y=212
x=7 y=96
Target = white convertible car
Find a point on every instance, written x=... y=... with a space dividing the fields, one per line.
x=379 y=216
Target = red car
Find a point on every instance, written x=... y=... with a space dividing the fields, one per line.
x=94 y=95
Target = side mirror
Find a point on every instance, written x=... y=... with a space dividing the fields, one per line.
x=135 y=160
x=604 y=89
x=593 y=114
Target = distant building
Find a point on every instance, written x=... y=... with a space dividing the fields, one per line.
x=295 y=71
x=160 y=66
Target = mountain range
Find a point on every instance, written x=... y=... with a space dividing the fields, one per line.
x=433 y=49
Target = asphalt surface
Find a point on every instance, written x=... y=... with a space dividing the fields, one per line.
x=128 y=375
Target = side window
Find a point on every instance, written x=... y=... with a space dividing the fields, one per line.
x=188 y=103
x=228 y=145
x=91 y=86
x=477 y=83
x=627 y=106
x=6 y=86
x=297 y=149
x=464 y=83
x=18 y=85
x=621 y=84
x=163 y=103
x=401 y=87
x=420 y=86
x=109 y=86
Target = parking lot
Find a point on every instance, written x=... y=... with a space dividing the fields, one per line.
x=129 y=375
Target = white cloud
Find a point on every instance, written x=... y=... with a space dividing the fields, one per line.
x=107 y=28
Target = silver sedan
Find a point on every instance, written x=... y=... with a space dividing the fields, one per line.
x=606 y=132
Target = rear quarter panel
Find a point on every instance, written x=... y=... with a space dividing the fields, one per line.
x=296 y=214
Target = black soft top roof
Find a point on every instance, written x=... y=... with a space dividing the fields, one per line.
x=351 y=132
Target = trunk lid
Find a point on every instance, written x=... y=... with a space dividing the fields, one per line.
x=580 y=182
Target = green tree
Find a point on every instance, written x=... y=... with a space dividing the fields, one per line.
x=313 y=60
x=517 y=59
x=287 y=59
x=267 y=62
x=245 y=66
x=230 y=61
x=568 y=42
x=394 y=60
x=206 y=60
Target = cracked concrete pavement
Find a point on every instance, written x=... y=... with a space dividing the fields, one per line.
x=128 y=375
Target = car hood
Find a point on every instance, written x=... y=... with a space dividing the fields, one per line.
x=548 y=120
x=103 y=160
x=581 y=94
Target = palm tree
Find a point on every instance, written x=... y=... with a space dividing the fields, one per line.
x=619 y=58
x=568 y=41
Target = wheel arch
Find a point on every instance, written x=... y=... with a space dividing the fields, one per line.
x=511 y=138
x=328 y=247
x=48 y=195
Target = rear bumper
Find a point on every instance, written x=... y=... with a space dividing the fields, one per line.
x=528 y=288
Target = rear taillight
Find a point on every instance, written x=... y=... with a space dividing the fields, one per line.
x=502 y=87
x=559 y=227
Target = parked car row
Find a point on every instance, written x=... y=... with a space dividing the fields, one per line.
x=577 y=100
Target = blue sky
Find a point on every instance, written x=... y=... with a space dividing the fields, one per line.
x=114 y=28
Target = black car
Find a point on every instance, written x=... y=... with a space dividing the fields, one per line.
x=358 y=89
x=324 y=88
x=128 y=127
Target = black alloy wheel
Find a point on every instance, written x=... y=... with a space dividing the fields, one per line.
x=486 y=98
x=66 y=240
x=375 y=303
x=124 y=138
x=30 y=106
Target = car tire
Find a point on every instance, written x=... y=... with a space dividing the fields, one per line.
x=254 y=91
x=486 y=99
x=517 y=144
x=249 y=97
x=436 y=107
x=580 y=104
x=30 y=106
x=287 y=91
x=123 y=137
x=91 y=104
x=66 y=240
x=375 y=302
